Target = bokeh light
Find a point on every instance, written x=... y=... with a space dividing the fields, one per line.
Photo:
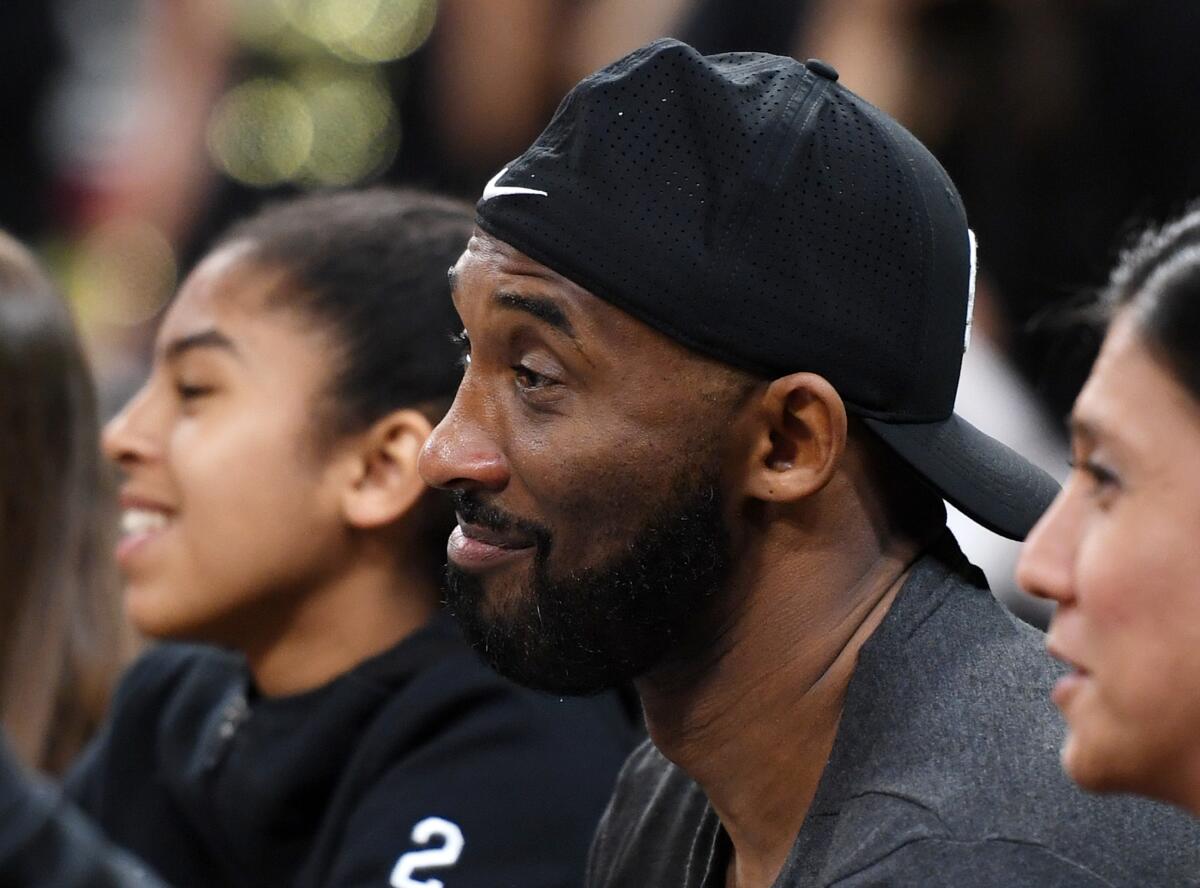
x=326 y=116
x=259 y=24
x=355 y=134
x=122 y=273
x=368 y=31
x=261 y=132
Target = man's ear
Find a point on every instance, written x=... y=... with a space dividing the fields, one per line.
x=384 y=483
x=800 y=437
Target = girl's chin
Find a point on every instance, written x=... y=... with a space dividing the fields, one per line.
x=156 y=614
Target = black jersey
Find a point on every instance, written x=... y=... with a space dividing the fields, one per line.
x=419 y=764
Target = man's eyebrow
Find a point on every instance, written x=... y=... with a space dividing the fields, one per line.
x=541 y=308
x=452 y=277
x=211 y=338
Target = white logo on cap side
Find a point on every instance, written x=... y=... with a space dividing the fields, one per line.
x=491 y=189
x=970 y=292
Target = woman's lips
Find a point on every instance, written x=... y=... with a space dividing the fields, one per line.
x=1070 y=685
x=474 y=548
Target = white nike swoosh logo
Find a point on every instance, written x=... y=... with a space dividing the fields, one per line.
x=491 y=189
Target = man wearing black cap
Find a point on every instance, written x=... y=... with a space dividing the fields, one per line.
x=714 y=318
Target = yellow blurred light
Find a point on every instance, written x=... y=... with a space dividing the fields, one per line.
x=261 y=132
x=123 y=272
x=260 y=24
x=369 y=31
x=355 y=131
x=335 y=21
x=398 y=28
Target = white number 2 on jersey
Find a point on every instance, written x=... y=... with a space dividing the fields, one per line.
x=431 y=858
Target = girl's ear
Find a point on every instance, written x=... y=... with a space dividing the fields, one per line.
x=384 y=483
x=798 y=439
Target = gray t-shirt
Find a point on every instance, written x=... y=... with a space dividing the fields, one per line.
x=944 y=772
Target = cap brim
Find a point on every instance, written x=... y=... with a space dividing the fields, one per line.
x=986 y=480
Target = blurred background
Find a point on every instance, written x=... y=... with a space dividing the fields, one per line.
x=134 y=130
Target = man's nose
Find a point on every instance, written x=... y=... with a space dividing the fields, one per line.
x=460 y=454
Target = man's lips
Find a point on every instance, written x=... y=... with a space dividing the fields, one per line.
x=504 y=539
x=474 y=547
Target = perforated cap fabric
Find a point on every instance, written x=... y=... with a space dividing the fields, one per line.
x=755 y=210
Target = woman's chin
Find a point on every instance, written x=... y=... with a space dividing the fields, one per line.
x=1106 y=767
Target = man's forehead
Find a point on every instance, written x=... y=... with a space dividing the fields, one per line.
x=496 y=255
x=502 y=275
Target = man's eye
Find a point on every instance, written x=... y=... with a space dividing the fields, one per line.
x=463 y=342
x=530 y=379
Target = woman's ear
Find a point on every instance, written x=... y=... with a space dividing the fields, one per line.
x=800 y=437
x=384 y=483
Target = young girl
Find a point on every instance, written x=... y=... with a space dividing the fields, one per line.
x=333 y=729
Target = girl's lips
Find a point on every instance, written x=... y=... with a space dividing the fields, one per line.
x=141 y=524
x=130 y=545
x=473 y=552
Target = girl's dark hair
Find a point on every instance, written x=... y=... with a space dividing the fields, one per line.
x=370 y=267
x=62 y=636
x=1159 y=279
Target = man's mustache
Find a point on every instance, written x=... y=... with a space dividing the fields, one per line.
x=472 y=510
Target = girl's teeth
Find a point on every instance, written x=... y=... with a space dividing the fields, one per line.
x=142 y=520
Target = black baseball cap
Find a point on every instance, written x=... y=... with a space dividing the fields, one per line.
x=754 y=209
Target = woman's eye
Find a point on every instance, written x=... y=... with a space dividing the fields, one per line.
x=1102 y=479
x=1101 y=475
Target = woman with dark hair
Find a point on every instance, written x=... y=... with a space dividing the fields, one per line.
x=332 y=728
x=61 y=635
x=1119 y=551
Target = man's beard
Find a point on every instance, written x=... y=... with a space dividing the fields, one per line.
x=598 y=627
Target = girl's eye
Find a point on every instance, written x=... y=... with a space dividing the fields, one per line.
x=191 y=392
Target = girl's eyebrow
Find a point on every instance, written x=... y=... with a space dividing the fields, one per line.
x=211 y=338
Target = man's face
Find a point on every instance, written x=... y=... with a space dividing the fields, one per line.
x=585 y=453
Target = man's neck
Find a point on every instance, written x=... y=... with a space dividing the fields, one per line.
x=753 y=719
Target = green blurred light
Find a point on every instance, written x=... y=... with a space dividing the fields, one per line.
x=260 y=24
x=122 y=273
x=335 y=21
x=356 y=133
x=363 y=31
x=261 y=132
x=398 y=28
